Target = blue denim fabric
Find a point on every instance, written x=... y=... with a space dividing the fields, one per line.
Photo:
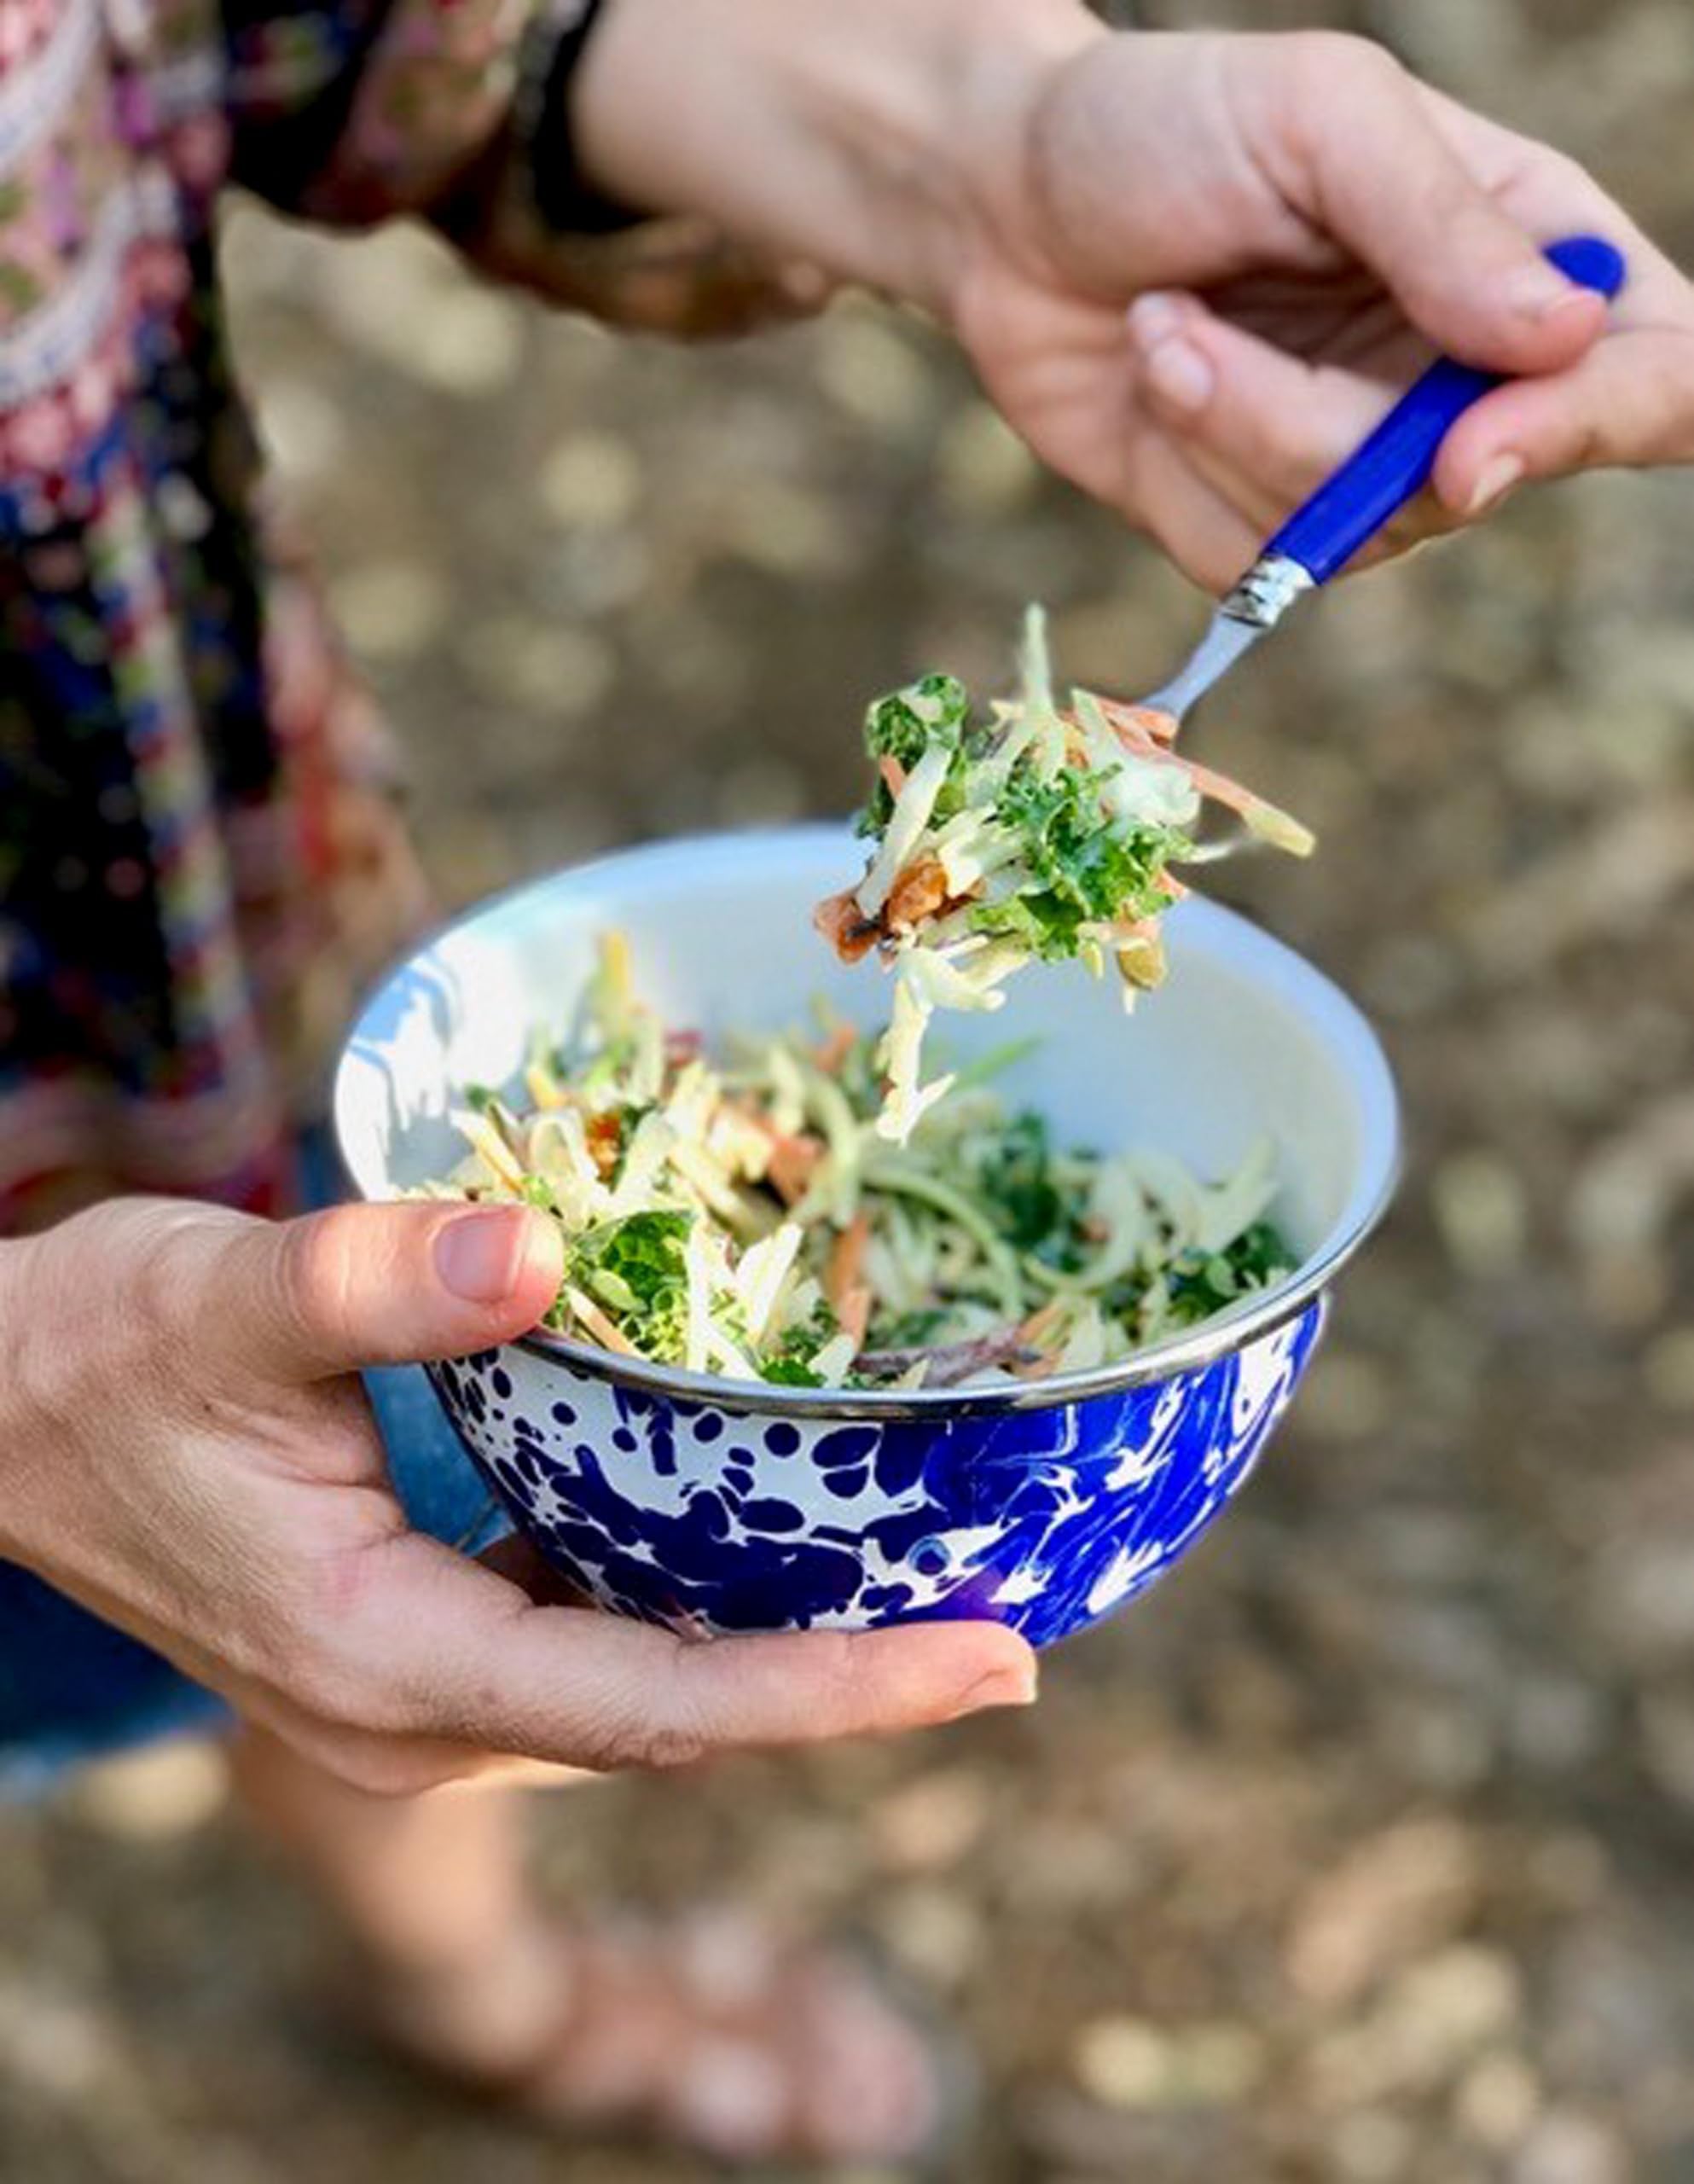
x=74 y=1688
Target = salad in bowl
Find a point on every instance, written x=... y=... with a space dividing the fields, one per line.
x=745 y=1214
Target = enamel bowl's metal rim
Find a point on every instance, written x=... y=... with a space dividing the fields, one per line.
x=1222 y=1337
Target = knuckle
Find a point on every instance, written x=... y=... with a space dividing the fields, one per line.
x=331 y=1683
x=1325 y=60
x=649 y=1736
x=309 y=1279
x=612 y=1743
x=177 y=1266
x=1560 y=175
x=168 y=1278
x=663 y=1747
x=841 y=1670
x=379 y=1767
x=1331 y=74
x=361 y=1766
x=124 y=1248
x=316 y=1684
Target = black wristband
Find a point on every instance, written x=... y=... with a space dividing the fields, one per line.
x=555 y=41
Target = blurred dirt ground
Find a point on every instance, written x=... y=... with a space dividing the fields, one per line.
x=1364 y=1852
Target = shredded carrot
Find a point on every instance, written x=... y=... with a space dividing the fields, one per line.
x=843 y=1272
x=605 y=1136
x=1135 y=729
x=1040 y=1324
x=847 y=1255
x=844 y=925
x=1159 y=727
x=917 y=892
x=792 y=1160
x=1132 y=726
x=835 y=1049
x=893 y=773
x=855 y=1315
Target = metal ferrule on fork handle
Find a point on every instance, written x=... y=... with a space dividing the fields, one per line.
x=1267 y=590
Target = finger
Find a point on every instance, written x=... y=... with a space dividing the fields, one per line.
x=1162 y=493
x=1262 y=428
x=378 y=1285
x=1628 y=404
x=1269 y=421
x=1373 y=169
x=465 y=1657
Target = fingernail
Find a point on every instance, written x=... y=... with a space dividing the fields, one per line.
x=1497 y=481
x=807 y=286
x=1540 y=291
x=1152 y=318
x=480 y=1255
x=1018 y=1687
x=1180 y=376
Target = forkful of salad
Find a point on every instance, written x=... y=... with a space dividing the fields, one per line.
x=1050 y=832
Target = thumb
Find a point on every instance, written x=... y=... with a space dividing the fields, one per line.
x=1385 y=181
x=384 y=1285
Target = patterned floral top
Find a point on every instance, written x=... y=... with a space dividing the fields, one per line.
x=199 y=854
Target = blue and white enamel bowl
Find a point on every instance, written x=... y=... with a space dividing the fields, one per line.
x=722 y=1506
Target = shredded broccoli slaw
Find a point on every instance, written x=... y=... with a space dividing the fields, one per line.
x=746 y=1215
x=1041 y=833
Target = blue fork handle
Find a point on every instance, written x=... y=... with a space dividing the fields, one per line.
x=1346 y=511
